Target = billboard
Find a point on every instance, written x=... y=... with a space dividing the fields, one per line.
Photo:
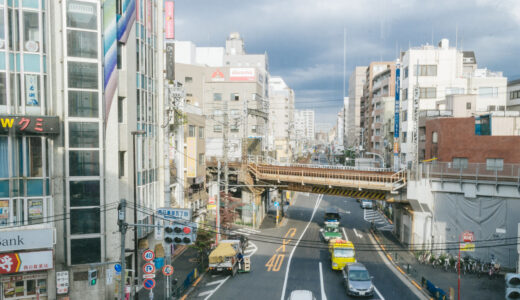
x=29 y=124
x=242 y=74
x=169 y=24
x=15 y=262
x=14 y=240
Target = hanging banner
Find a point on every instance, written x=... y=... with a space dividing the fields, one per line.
x=169 y=24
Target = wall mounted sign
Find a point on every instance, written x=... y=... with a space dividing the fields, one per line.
x=29 y=124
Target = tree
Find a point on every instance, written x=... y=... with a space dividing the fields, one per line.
x=203 y=242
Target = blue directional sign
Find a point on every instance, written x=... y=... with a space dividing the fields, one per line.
x=117 y=267
x=276 y=204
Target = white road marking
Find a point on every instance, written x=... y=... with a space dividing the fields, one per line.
x=218 y=286
x=250 y=250
x=204 y=293
x=215 y=282
x=378 y=293
x=344 y=233
x=320 y=197
x=323 y=296
x=347 y=212
x=358 y=234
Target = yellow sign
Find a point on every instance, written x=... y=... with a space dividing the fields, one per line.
x=211 y=206
x=467 y=247
x=191 y=157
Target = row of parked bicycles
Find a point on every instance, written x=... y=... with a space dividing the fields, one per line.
x=468 y=264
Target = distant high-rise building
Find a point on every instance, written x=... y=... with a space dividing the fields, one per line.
x=304 y=125
x=281 y=119
x=353 y=109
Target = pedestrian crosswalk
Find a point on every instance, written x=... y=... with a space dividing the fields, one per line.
x=245 y=231
x=379 y=220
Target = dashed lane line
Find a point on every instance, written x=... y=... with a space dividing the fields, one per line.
x=344 y=233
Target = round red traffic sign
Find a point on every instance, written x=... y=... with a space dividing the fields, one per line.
x=149 y=283
x=167 y=270
x=149 y=268
x=148 y=255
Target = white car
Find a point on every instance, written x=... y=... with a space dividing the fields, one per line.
x=301 y=295
x=367 y=204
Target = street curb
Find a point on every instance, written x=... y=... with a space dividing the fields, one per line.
x=194 y=285
x=389 y=257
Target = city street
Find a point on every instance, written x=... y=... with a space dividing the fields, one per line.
x=278 y=269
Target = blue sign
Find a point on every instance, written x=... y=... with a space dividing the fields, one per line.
x=175 y=213
x=159 y=262
x=149 y=283
x=117 y=267
x=397 y=92
x=276 y=204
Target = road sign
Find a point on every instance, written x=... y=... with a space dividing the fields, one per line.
x=167 y=270
x=276 y=204
x=149 y=268
x=149 y=283
x=117 y=267
x=470 y=247
x=468 y=237
x=148 y=255
x=148 y=276
x=62 y=282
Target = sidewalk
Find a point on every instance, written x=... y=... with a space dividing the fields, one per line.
x=183 y=262
x=472 y=287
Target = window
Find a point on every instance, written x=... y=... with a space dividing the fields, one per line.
x=201 y=132
x=84 y=193
x=84 y=44
x=405 y=72
x=13 y=33
x=31 y=31
x=426 y=70
x=405 y=115
x=84 y=221
x=83 y=75
x=454 y=91
x=435 y=137
x=488 y=92
x=81 y=15
x=254 y=128
x=404 y=135
x=218 y=112
x=378 y=132
x=460 y=162
x=122 y=155
x=83 y=135
x=217 y=96
x=35 y=157
x=405 y=94
x=217 y=128
x=2 y=28
x=201 y=159
x=234 y=128
x=188 y=79
x=84 y=163
x=78 y=253
x=468 y=105
x=3 y=87
x=121 y=109
x=35 y=211
x=235 y=97
x=428 y=93
x=4 y=158
x=494 y=164
x=234 y=112
x=514 y=95
x=83 y=104
x=377 y=145
x=191 y=130
x=378 y=119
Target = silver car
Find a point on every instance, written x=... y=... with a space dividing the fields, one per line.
x=367 y=204
x=357 y=280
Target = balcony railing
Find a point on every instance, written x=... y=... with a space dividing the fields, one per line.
x=472 y=171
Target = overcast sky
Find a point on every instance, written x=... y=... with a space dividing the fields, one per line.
x=304 y=38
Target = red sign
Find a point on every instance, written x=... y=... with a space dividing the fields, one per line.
x=149 y=268
x=148 y=255
x=217 y=75
x=242 y=74
x=25 y=261
x=467 y=237
x=169 y=29
x=167 y=270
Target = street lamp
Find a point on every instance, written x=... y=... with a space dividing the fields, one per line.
x=136 y=258
x=380 y=156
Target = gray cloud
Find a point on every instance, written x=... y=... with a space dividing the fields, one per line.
x=304 y=38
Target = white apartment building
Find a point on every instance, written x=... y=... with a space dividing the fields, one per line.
x=353 y=109
x=513 y=95
x=340 y=128
x=304 y=125
x=281 y=119
x=443 y=71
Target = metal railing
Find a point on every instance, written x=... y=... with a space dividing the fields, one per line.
x=472 y=171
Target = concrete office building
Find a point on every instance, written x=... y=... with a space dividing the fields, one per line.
x=353 y=109
x=281 y=119
x=304 y=126
x=444 y=71
x=513 y=95
x=340 y=123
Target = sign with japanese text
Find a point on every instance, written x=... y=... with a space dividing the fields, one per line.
x=25 y=261
x=242 y=74
x=15 y=240
x=31 y=90
x=175 y=213
x=470 y=247
x=29 y=124
x=169 y=24
x=62 y=282
x=468 y=237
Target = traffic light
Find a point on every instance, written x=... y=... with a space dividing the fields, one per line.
x=92 y=277
x=512 y=286
x=182 y=234
x=168 y=234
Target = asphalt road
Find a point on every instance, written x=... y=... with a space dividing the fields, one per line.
x=272 y=278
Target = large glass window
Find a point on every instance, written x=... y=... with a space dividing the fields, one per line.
x=31 y=31
x=2 y=29
x=84 y=221
x=83 y=135
x=3 y=86
x=35 y=211
x=82 y=44
x=84 y=193
x=78 y=253
x=4 y=157
x=428 y=93
x=35 y=156
x=488 y=92
x=84 y=163
x=83 y=104
x=81 y=15
x=13 y=32
x=83 y=75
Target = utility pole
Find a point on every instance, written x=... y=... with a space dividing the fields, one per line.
x=226 y=149
x=218 y=204
x=121 y=221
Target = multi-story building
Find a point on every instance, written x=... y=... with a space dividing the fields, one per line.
x=340 y=129
x=281 y=119
x=438 y=72
x=353 y=109
x=513 y=95
x=304 y=126
x=345 y=122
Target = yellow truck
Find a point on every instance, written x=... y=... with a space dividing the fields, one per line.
x=224 y=259
x=341 y=253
